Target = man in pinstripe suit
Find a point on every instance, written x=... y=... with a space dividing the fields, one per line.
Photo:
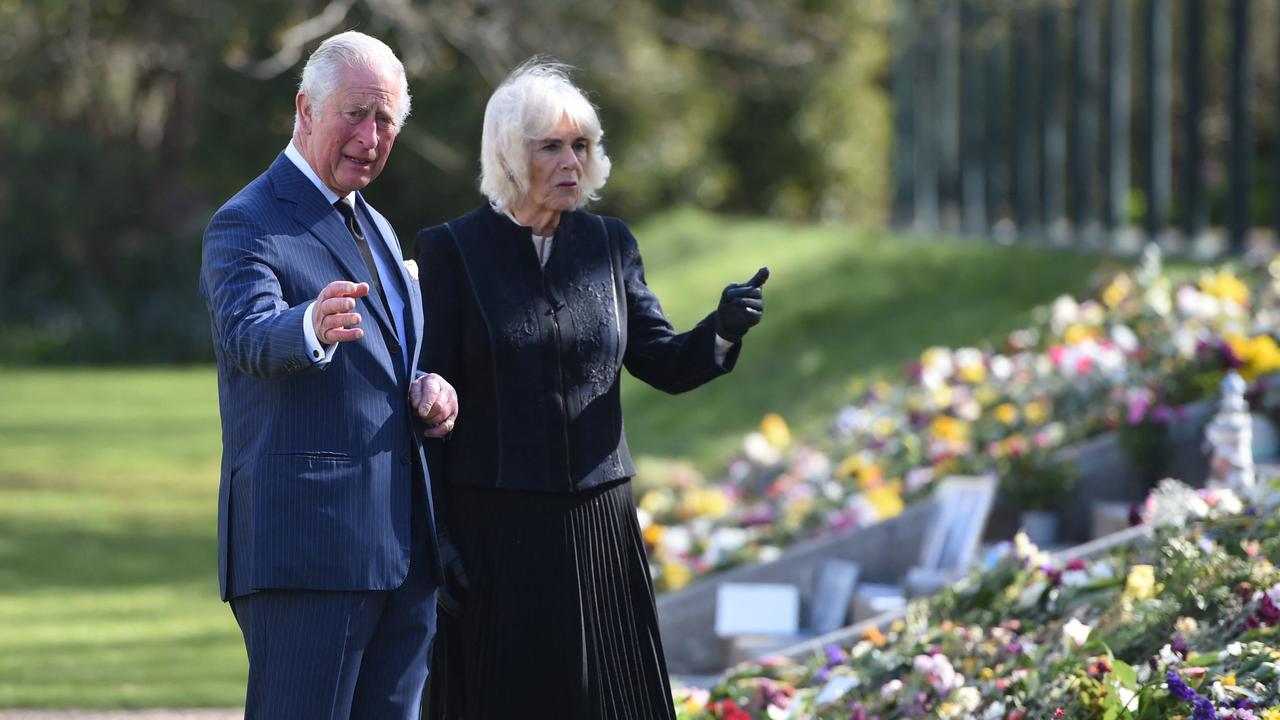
x=326 y=540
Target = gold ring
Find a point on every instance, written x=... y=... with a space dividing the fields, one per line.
x=448 y=426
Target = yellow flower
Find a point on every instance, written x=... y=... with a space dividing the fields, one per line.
x=1036 y=412
x=1224 y=285
x=886 y=499
x=1007 y=413
x=987 y=674
x=1077 y=334
x=1271 y=714
x=655 y=502
x=884 y=427
x=675 y=575
x=973 y=373
x=653 y=534
x=945 y=427
x=870 y=476
x=711 y=503
x=942 y=396
x=774 y=429
x=1141 y=583
x=1116 y=292
x=1260 y=354
x=849 y=466
x=1229 y=680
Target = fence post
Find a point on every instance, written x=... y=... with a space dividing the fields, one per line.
x=948 y=117
x=1195 y=214
x=1241 y=128
x=973 y=191
x=1054 y=148
x=1087 y=71
x=998 y=100
x=1118 y=113
x=1027 y=158
x=1157 y=118
x=903 y=90
x=926 y=128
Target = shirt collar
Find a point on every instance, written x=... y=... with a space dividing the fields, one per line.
x=291 y=152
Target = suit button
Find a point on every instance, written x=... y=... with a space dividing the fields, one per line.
x=405 y=458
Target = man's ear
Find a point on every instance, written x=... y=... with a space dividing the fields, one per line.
x=303 y=104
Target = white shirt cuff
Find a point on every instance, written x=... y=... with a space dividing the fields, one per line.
x=319 y=354
x=722 y=350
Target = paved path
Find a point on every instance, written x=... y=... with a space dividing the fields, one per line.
x=236 y=714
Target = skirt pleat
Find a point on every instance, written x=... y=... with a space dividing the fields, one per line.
x=560 y=620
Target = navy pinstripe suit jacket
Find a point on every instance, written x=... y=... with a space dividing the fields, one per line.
x=317 y=463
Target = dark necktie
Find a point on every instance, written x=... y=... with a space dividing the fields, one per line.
x=349 y=215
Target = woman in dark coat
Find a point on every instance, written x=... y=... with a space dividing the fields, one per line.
x=532 y=307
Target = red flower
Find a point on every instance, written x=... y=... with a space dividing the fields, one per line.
x=728 y=710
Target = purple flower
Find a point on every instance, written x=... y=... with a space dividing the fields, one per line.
x=1202 y=707
x=835 y=655
x=1179 y=688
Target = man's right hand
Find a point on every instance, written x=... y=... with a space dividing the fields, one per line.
x=333 y=317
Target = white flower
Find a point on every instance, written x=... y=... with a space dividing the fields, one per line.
x=769 y=553
x=1001 y=368
x=968 y=698
x=1159 y=299
x=643 y=518
x=676 y=539
x=1065 y=312
x=1075 y=633
x=994 y=711
x=891 y=688
x=759 y=450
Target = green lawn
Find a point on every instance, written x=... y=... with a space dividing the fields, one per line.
x=108 y=478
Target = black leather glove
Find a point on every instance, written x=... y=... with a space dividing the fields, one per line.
x=741 y=307
x=453 y=590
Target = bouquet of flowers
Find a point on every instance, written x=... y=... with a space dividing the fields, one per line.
x=1183 y=624
x=1128 y=360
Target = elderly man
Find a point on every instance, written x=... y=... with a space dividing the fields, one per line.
x=326 y=540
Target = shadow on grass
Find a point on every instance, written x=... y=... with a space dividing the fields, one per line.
x=64 y=554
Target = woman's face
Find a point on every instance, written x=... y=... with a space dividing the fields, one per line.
x=556 y=163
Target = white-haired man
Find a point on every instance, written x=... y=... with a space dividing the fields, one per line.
x=326 y=540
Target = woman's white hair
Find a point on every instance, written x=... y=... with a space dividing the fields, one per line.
x=526 y=107
x=349 y=49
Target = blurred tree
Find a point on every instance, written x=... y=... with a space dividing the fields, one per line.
x=124 y=123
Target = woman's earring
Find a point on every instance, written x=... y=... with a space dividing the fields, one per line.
x=511 y=177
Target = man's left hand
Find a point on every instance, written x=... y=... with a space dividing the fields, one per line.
x=436 y=403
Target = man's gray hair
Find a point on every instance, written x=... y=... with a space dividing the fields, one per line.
x=349 y=49
x=526 y=107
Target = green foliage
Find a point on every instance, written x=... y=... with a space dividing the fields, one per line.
x=125 y=125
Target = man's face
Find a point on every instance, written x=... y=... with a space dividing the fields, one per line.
x=348 y=139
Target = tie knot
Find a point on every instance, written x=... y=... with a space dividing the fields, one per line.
x=349 y=215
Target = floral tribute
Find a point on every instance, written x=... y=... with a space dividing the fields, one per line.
x=1129 y=360
x=1180 y=624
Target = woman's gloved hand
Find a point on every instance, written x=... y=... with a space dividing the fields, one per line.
x=741 y=307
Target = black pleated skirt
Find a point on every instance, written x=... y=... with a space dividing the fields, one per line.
x=559 y=621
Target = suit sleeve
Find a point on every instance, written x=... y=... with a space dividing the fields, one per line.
x=253 y=326
x=669 y=361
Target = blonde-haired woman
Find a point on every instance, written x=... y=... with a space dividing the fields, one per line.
x=532 y=307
